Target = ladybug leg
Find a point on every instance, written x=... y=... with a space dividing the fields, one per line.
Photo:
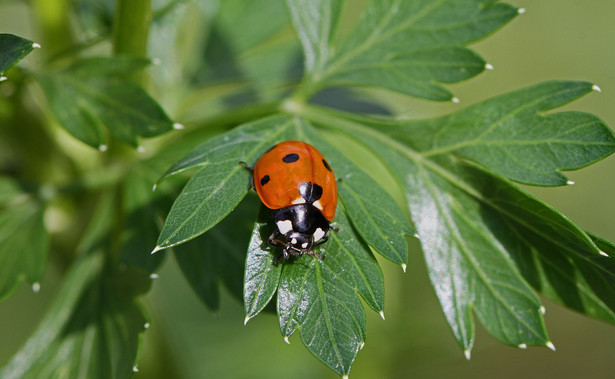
x=324 y=239
x=279 y=258
x=245 y=165
x=315 y=254
x=274 y=241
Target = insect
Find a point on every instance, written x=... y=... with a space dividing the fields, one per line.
x=295 y=180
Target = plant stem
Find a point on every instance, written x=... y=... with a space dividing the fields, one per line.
x=54 y=20
x=131 y=29
x=239 y=115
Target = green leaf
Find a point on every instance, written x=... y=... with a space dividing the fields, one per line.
x=143 y=211
x=9 y=191
x=219 y=255
x=317 y=296
x=216 y=189
x=468 y=266
x=261 y=275
x=24 y=241
x=511 y=135
x=315 y=23
x=326 y=311
x=94 y=95
x=372 y=210
x=94 y=312
x=405 y=46
x=484 y=240
x=580 y=281
x=12 y=50
x=249 y=44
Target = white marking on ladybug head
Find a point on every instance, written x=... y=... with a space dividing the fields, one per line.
x=284 y=226
x=304 y=245
x=318 y=205
x=318 y=234
x=299 y=200
x=293 y=241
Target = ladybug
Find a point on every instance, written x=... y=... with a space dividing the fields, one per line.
x=295 y=180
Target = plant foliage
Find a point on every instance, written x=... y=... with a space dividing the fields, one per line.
x=490 y=247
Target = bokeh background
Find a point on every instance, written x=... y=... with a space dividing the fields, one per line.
x=554 y=39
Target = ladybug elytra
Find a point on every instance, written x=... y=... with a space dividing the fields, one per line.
x=295 y=180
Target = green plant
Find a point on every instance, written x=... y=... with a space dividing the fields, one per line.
x=489 y=245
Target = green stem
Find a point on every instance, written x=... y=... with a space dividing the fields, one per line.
x=54 y=21
x=131 y=29
x=239 y=115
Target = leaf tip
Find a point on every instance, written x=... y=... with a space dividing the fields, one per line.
x=596 y=88
x=522 y=346
x=521 y=10
x=245 y=320
x=286 y=340
x=403 y=267
x=488 y=66
x=570 y=183
x=542 y=310
x=157 y=249
x=455 y=100
x=36 y=287
x=35 y=45
x=178 y=126
x=154 y=187
x=468 y=354
x=603 y=253
x=103 y=148
x=381 y=314
x=550 y=345
x=153 y=275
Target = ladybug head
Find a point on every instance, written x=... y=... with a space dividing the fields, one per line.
x=300 y=228
x=299 y=242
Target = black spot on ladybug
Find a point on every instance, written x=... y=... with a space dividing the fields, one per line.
x=271 y=148
x=265 y=179
x=290 y=158
x=310 y=192
x=327 y=165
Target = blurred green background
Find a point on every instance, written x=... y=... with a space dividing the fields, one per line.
x=554 y=39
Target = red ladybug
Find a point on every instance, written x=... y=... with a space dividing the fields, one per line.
x=296 y=180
